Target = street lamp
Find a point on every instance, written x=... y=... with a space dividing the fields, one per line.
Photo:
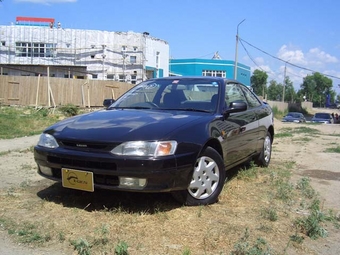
x=236 y=50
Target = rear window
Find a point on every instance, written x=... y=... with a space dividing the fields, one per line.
x=322 y=116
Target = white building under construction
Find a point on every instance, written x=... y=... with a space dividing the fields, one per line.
x=39 y=46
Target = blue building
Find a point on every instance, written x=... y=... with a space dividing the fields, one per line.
x=209 y=67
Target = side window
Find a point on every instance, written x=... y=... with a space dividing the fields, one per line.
x=233 y=92
x=253 y=101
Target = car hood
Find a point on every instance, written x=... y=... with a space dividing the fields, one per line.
x=123 y=125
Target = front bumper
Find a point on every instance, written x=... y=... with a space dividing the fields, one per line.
x=162 y=174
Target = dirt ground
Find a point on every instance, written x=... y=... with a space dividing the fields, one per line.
x=323 y=169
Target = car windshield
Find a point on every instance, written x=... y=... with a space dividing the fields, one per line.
x=294 y=115
x=322 y=116
x=172 y=94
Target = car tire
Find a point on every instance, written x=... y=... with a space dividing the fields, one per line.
x=264 y=157
x=207 y=180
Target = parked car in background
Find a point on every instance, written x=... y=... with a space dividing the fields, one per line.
x=334 y=106
x=323 y=117
x=294 y=117
x=174 y=134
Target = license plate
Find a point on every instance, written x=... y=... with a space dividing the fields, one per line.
x=77 y=179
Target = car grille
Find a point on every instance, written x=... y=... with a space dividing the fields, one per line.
x=81 y=145
x=82 y=163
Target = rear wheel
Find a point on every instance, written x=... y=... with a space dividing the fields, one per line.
x=207 y=180
x=266 y=152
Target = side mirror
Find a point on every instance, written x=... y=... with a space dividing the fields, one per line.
x=108 y=102
x=236 y=106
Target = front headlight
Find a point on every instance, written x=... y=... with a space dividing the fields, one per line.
x=48 y=141
x=142 y=148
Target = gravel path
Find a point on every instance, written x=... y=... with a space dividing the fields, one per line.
x=7 y=246
x=18 y=143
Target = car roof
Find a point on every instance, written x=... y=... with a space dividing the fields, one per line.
x=196 y=77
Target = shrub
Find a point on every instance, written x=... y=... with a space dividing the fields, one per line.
x=69 y=110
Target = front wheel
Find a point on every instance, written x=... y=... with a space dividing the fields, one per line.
x=207 y=180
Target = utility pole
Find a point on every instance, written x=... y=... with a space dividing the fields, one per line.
x=284 y=84
x=236 y=51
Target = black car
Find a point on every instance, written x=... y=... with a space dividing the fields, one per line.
x=333 y=106
x=174 y=134
x=323 y=117
x=294 y=117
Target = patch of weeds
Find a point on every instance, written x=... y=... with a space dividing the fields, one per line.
x=28 y=233
x=4 y=153
x=335 y=219
x=289 y=165
x=200 y=209
x=289 y=132
x=283 y=135
x=311 y=225
x=284 y=190
x=24 y=184
x=22 y=121
x=306 y=130
x=81 y=246
x=26 y=167
x=121 y=248
x=306 y=189
x=61 y=237
x=283 y=173
x=7 y=224
x=11 y=192
x=333 y=150
x=103 y=232
x=69 y=110
x=305 y=139
x=244 y=247
x=248 y=173
x=186 y=251
x=277 y=113
x=265 y=228
x=269 y=214
x=296 y=238
x=43 y=112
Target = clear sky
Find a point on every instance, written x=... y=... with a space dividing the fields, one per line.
x=305 y=33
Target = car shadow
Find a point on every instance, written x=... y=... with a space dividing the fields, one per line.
x=107 y=200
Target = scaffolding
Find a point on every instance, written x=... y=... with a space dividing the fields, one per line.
x=33 y=44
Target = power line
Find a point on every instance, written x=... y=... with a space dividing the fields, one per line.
x=301 y=67
x=251 y=58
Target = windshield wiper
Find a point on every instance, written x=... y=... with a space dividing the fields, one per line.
x=132 y=107
x=186 y=109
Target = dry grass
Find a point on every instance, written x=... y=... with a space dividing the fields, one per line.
x=256 y=211
x=155 y=223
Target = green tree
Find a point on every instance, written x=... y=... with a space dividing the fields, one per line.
x=315 y=87
x=290 y=93
x=259 y=82
x=274 y=91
